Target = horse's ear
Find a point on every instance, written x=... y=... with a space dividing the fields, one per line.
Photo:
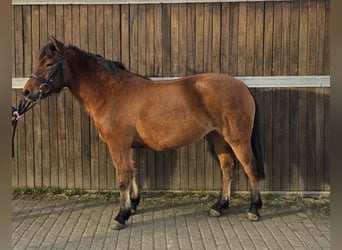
x=57 y=44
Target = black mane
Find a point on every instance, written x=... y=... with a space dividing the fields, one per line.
x=109 y=65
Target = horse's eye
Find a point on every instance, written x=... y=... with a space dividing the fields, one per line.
x=49 y=65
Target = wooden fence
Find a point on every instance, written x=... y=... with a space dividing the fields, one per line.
x=57 y=144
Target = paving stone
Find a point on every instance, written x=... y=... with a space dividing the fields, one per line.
x=84 y=222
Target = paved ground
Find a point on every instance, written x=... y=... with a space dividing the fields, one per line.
x=168 y=221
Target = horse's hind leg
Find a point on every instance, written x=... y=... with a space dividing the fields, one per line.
x=225 y=155
x=243 y=151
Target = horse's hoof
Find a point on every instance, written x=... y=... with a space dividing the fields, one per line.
x=253 y=217
x=117 y=225
x=133 y=211
x=214 y=213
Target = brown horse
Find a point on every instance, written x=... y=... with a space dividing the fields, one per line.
x=130 y=110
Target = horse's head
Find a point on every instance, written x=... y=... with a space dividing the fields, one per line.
x=49 y=76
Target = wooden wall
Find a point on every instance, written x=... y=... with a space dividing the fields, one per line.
x=57 y=144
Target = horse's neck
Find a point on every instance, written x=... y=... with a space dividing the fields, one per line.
x=89 y=84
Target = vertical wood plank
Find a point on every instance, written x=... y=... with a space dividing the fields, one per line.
x=259 y=38
x=192 y=165
x=174 y=36
x=268 y=39
x=125 y=38
x=171 y=174
x=166 y=39
x=209 y=164
x=312 y=37
x=133 y=38
x=242 y=39
x=60 y=22
x=286 y=18
x=200 y=166
x=327 y=139
x=159 y=170
x=208 y=53
x=250 y=39
x=225 y=38
x=109 y=37
x=13 y=43
x=191 y=37
x=216 y=37
x=182 y=42
x=53 y=120
x=327 y=39
x=303 y=38
x=151 y=169
x=141 y=162
x=18 y=40
x=277 y=39
x=27 y=40
x=303 y=135
x=294 y=38
x=62 y=155
x=158 y=42
x=176 y=169
x=233 y=39
x=321 y=34
x=319 y=143
x=150 y=65
x=141 y=69
x=268 y=146
x=284 y=133
x=184 y=159
x=117 y=33
x=311 y=147
x=199 y=38
x=294 y=140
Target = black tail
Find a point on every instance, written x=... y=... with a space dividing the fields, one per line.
x=256 y=145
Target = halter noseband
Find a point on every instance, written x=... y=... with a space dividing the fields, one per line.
x=47 y=83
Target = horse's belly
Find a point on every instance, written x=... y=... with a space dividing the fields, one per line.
x=171 y=135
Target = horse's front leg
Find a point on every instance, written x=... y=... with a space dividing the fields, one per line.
x=134 y=195
x=125 y=176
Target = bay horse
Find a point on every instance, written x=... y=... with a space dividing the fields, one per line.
x=129 y=111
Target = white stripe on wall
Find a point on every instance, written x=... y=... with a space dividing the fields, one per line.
x=250 y=81
x=41 y=2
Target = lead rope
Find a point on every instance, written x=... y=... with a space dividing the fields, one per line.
x=24 y=106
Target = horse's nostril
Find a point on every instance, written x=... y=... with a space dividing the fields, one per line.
x=26 y=92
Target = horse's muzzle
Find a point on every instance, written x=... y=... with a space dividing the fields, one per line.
x=32 y=96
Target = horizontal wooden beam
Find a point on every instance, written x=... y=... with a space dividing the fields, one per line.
x=41 y=2
x=250 y=81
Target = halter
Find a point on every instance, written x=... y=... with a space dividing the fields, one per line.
x=47 y=83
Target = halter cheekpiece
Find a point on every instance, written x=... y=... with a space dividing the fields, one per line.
x=47 y=83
